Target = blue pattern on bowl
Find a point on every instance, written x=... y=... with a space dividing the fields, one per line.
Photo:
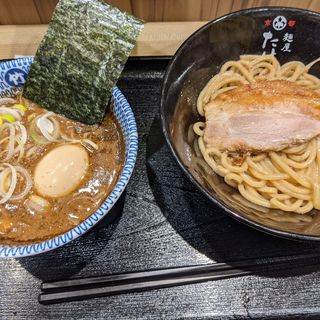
x=12 y=77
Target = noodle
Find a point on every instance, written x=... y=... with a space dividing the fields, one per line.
x=289 y=179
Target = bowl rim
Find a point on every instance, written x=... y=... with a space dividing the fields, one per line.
x=131 y=148
x=230 y=211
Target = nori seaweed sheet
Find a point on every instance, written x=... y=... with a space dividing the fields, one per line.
x=81 y=58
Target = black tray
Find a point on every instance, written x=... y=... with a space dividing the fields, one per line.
x=163 y=221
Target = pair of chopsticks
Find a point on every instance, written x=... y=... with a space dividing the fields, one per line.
x=93 y=287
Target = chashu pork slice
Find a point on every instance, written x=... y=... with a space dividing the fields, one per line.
x=267 y=115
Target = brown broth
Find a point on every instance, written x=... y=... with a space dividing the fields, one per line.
x=21 y=224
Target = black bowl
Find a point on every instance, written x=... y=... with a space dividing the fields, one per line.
x=200 y=57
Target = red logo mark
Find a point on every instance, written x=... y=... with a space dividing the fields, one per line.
x=291 y=23
x=267 y=22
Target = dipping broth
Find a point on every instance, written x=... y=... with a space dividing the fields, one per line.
x=54 y=172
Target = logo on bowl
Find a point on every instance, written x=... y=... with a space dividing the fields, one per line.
x=274 y=39
x=279 y=23
x=15 y=77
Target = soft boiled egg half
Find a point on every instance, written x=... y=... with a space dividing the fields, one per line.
x=61 y=170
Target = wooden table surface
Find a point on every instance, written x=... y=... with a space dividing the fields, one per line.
x=157 y=38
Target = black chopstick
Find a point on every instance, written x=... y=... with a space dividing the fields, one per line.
x=65 y=296
x=85 y=288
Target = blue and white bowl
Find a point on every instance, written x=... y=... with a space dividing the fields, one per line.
x=12 y=77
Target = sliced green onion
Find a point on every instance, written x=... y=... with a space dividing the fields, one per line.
x=10 y=174
x=28 y=183
x=12 y=134
x=4 y=101
x=34 y=135
x=15 y=113
x=49 y=129
x=14 y=141
x=23 y=132
x=8 y=118
x=20 y=107
x=85 y=142
x=31 y=116
x=6 y=195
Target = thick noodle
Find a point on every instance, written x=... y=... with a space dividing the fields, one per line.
x=288 y=179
